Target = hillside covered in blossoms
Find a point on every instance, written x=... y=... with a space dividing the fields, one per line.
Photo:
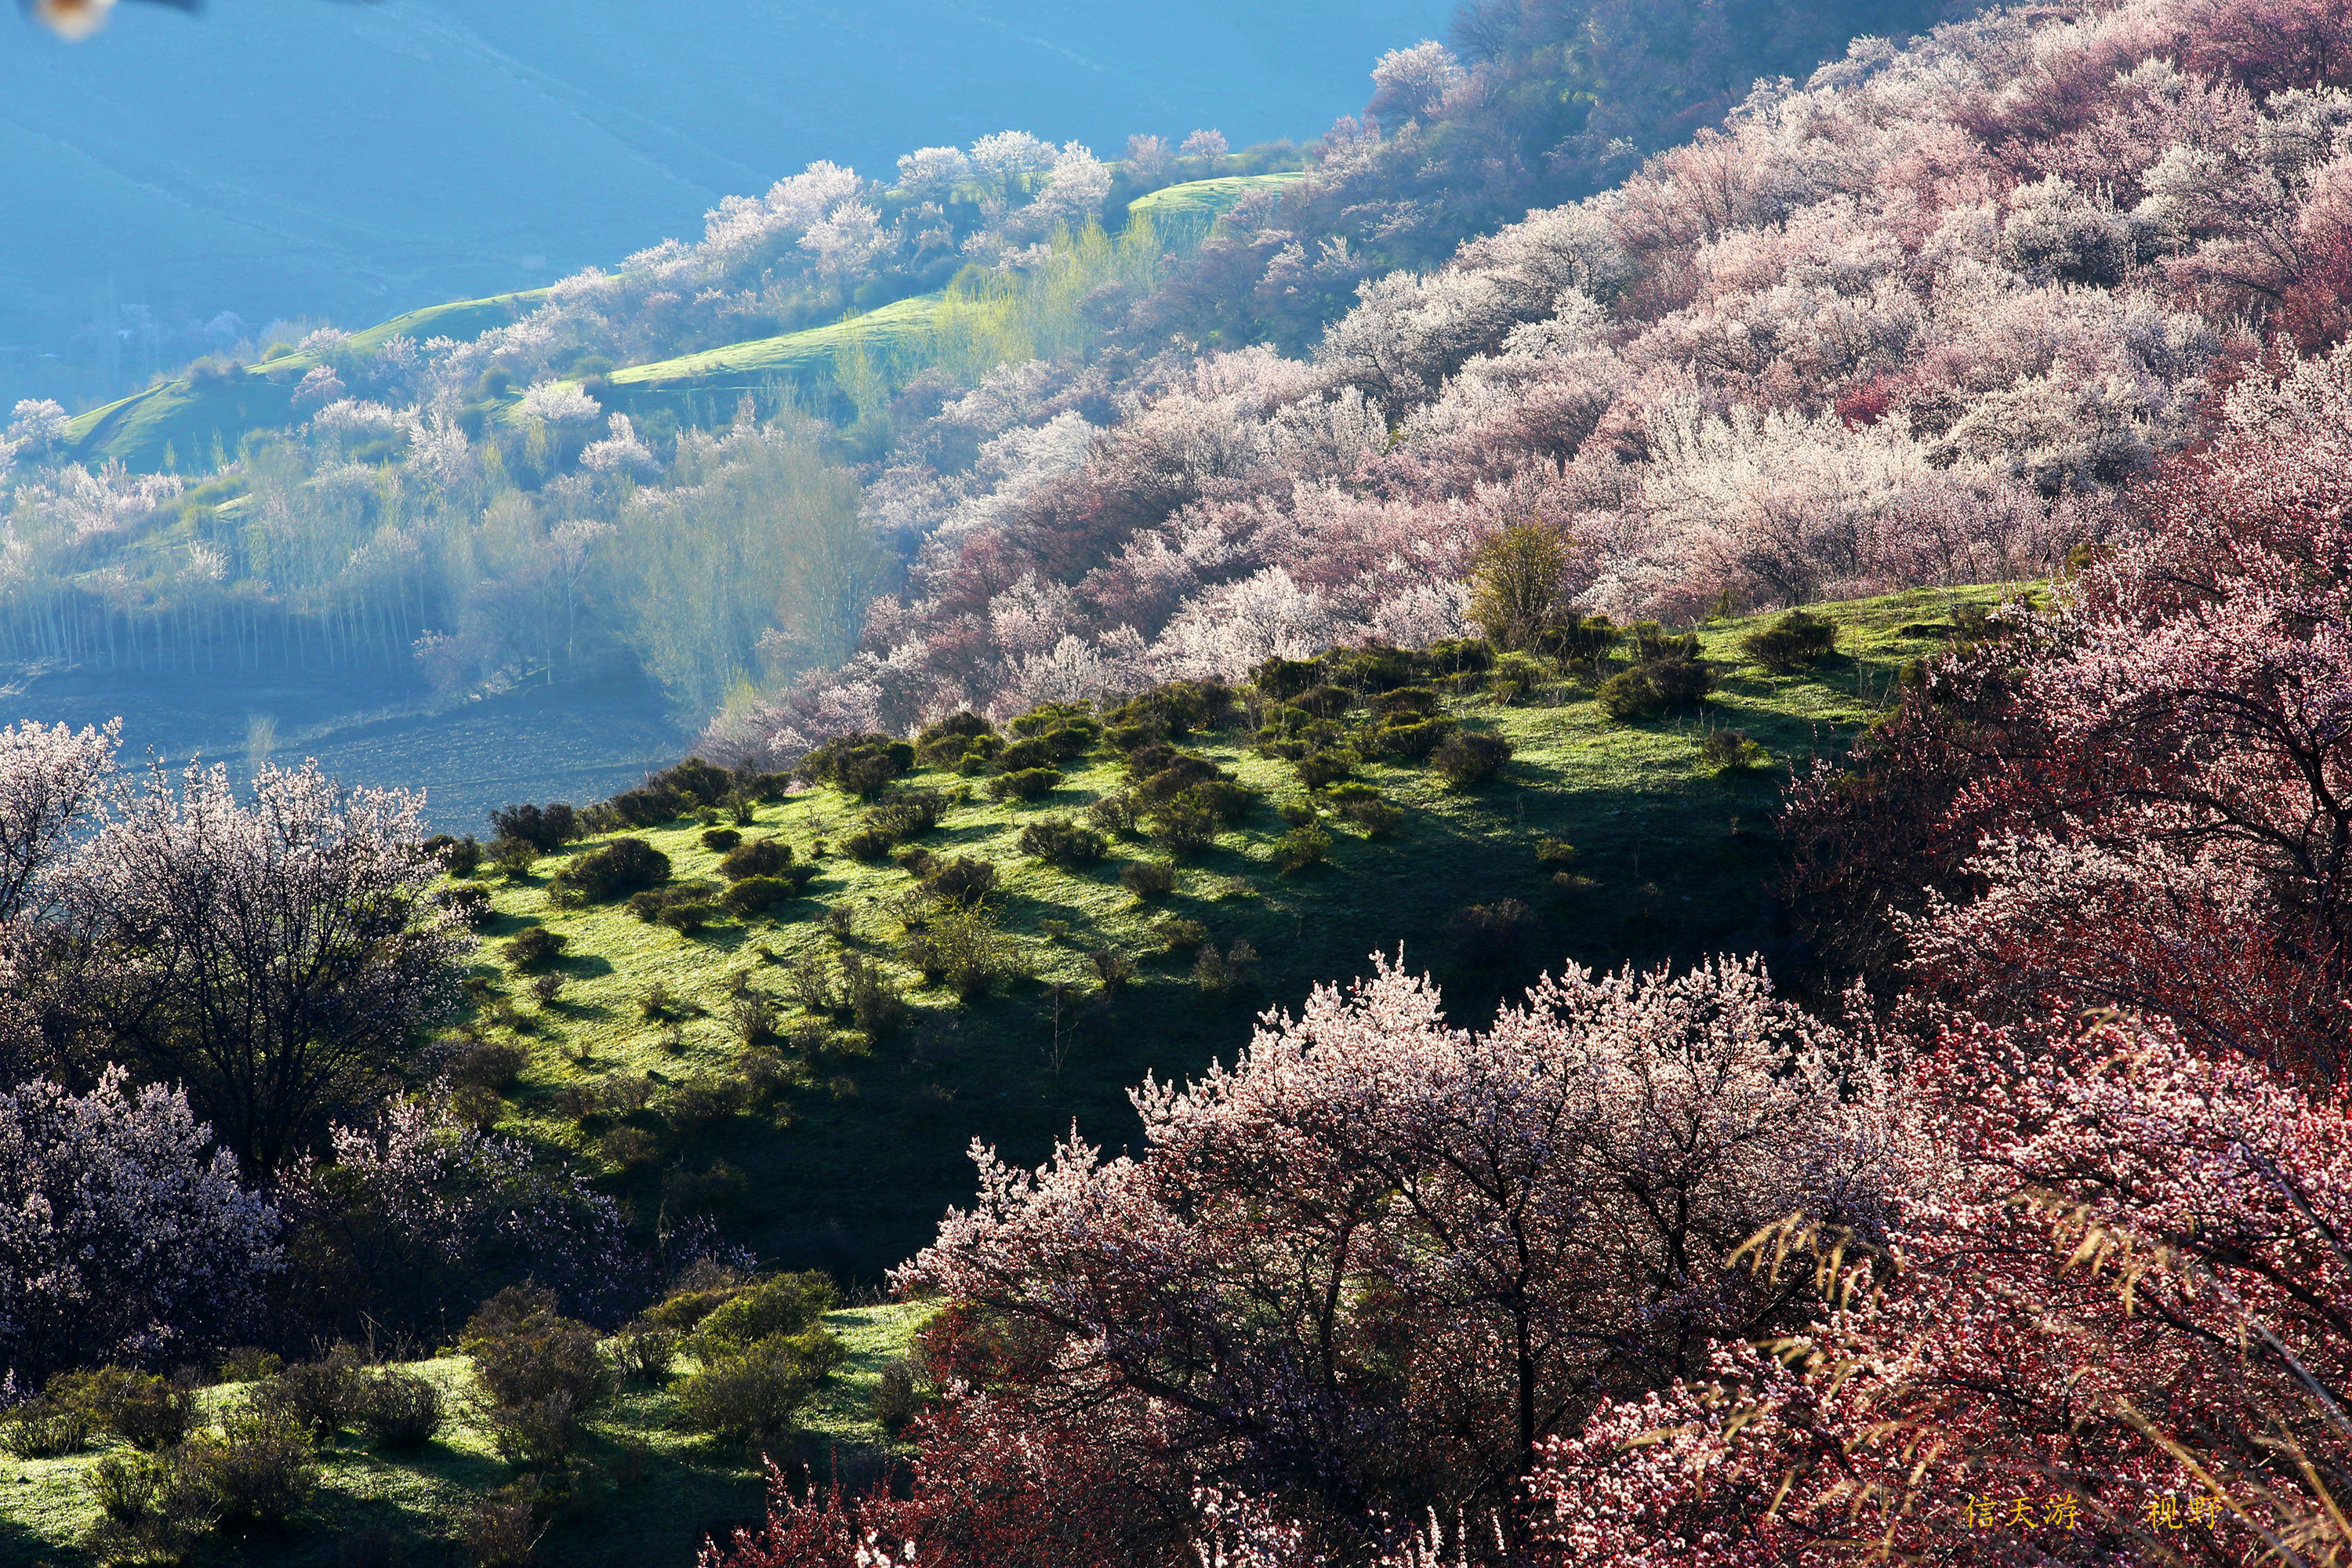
x=1608 y=822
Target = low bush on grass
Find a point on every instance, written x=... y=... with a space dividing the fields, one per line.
x=755 y=894
x=963 y=880
x=259 y=1472
x=400 y=1410
x=1300 y=848
x=1469 y=758
x=1794 y=640
x=1648 y=689
x=857 y=764
x=961 y=948
x=746 y=1394
x=1062 y=842
x=541 y=1371
x=721 y=839
x=1148 y=879
x=623 y=867
x=1024 y=784
x=534 y=948
x=756 y=857
x=1728 y=751
x=148 y=1412
x=324 y=1395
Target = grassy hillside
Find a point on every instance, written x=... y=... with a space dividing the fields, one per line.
x=850 y=1150
x=837 y=1150
x=182 y=419
x=657 y=1492
x=177 y=422
x=707 y=383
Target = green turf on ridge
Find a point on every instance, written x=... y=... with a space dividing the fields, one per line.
x=851 y=1165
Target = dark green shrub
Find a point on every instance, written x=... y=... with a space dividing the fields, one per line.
x=1793 y=641
x=1224 y=799
x=1028 y=783
x=1062 y=841
x=1416 y=701
x=149 y=1509
x=1114 y=813
x=1299 y=813
x=645 y=1351
x=1412 y=738
x=759 y=857
x=780 y=1304
x=1651 y=689
x=46 y=1429
x=1317 y=768
x=513 y=857
x=145 y=1411
x=915 y=861
x=1148 y=879
x=623 y=867
x=753 y=1393
x=527 y=1354
x=697 y=781
x=400 y=1409
x=647 y=805
x=1301 y=847
x=462 y=855
x=1113 y=968
x=1375 y=667
x=259 y=1472
x=1367 y=810
x=1728 y=751
x=1180 y=934
x=1555 y=852
x=754 y=894
x=533 y=947
x=961 y=948
x=963 y=880
x=688 y=916
x=1325 y=702
x=1653 y=643
x=1469 y=758
x=1586 y=641
x=1282 y=677
x=1172 y=777
x=857 y=764
x=1183 y=826
x=721 y=839
x=1489 y=933
x=944 y=744
x=1462 y=655
x=324 y=1395
x=546 y=829
x=884 y=827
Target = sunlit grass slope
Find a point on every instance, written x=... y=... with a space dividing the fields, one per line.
x=849 y=1163
x=178 y=423
x=658 y=1489
x=181 y=421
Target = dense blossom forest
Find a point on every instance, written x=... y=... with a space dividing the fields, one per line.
x=2010 y=1226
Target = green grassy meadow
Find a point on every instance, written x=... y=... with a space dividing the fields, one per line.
x=176 y=423
x=182 y=418
x=654 y=1493
x=848 y=1164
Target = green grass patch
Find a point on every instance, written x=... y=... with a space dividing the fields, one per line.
x=660 y=1491
x=848 y=1164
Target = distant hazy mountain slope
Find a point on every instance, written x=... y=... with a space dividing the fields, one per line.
x=271 y=158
